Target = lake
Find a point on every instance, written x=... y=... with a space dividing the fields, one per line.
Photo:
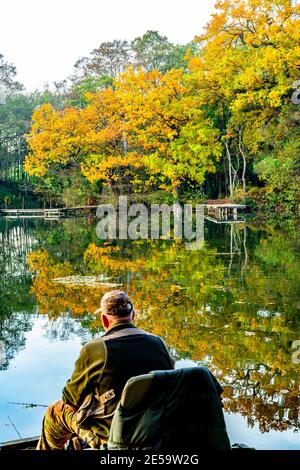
x=232 y=305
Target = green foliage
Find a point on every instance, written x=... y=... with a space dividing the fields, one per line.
x=15 y=115
x=8 y=73
x=279 y=165
x=14 y=195
x=76 y=190
x=152 y=51
x=77 y=96
x=155 y=197
x=66 y=188
x=107 y=60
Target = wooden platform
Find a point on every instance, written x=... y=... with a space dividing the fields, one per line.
x=47 y=213
x=216 y=211
x=225 y=212
x=225 y=221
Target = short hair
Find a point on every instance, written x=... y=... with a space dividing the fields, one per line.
x=116 y=303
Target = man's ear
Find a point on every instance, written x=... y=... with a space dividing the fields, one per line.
x=132 y=314
x=105 y=321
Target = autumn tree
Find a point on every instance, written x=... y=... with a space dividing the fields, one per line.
x=163 y=120
x=245 y=73
x=221 y=126
x=149 y=121
x=90 y=139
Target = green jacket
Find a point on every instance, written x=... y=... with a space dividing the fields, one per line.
x=127 y=358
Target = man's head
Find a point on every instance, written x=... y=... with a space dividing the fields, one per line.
x=115 y=306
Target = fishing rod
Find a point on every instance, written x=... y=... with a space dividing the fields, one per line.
x=27 y=405
x=14 y=427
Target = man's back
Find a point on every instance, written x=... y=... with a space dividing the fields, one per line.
x=128 y=356
x=101 y=371
x=108 y=362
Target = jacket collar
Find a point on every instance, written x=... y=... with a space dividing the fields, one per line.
x=119 y=326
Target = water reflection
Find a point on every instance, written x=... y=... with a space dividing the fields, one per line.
x=16 y=241
x=233 y=305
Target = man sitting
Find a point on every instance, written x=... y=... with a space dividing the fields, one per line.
x=104 y=364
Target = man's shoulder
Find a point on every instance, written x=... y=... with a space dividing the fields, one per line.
x=130 y=333
x=93 y=346
x=98 y=344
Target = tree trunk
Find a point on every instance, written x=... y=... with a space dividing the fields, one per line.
x=176 y=189
x=244 y=160
x=225 y=177
x=229 y=167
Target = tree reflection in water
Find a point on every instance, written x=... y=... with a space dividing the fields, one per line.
x=17 y=304
x=232 y=306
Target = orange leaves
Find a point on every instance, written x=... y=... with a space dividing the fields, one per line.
x=160 y=108
x=68 y=136
x=105 y=167
x=248 y=22
x=110 y=258
x=120 y=131
x=165 y=129
x=54 y=298
x=53 y=138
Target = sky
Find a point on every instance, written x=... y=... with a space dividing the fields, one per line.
x=44 y=38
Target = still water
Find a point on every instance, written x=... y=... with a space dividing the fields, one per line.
x=233 y=306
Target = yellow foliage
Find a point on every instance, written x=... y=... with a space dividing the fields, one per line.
x=169 y=126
